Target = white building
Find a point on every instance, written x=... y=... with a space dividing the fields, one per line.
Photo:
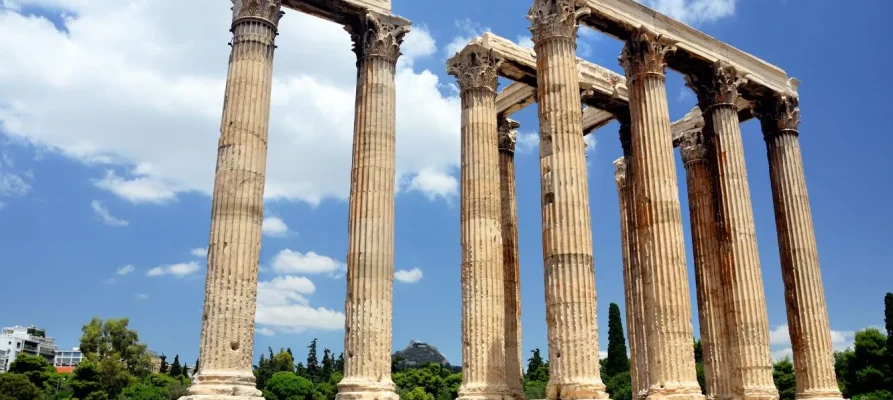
x=29 y=340
x=68 y=358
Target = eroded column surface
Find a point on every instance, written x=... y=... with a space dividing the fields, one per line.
x=514 y=372
x=370 y=228
x=750 y=356
x=804 y=293
x=658 y=217
x=483 y=285
x=567 y=232
x=227 y=336
x=715 y=339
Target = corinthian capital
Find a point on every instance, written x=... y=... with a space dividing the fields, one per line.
x=269 y=10
x=693 y=147
x=554 y=18
x=507 y=134
x=646 y=53
x=475 y=67
x=717 y=85
x=378 y=35
x=779 y=114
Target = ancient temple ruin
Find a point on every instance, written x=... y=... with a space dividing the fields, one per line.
x=574 y=98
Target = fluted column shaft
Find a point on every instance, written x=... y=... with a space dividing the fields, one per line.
x=227 y=335
x=632 y=330
x=708 y=268
x=514 y=370
x=567 y=231
x=483 y=286
x=659 y=222
x=751 y=357
x=370 y=227
x=804 y=293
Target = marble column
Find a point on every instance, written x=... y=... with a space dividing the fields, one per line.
x=483 y=286
x=750 y=356
x=567 y=231
x=632 y=330
x=658 y=217
x=708 y=268
x=227 y=335
x=804 y=293
x=514 y=370
x=370 y=227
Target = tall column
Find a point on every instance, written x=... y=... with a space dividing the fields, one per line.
x=567 y=230
x=483 y=286
x=750 y=356
x=658 y=217
x=632 y=329
x=514 y=373
x=804 y=293
x=370 y=227
x=227 y=336
x=708 y=268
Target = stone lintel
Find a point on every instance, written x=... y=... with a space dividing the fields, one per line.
x=695 y=49
x=515 y=97
x=594 y=118
x=342 y=12
x=694 y=120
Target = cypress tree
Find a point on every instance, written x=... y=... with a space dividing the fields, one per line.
x=888 y=320
x=339 y=363
x=312 y=362
x=176 y=369
x=328 y=365
x=164 y=365
x=617 y=361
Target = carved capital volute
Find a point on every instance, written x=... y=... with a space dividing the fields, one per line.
x=620 y=173
x=693 y=147
x=555 y=19
x=646 y=53
x=475 y=67
x=715 y=86
x=267 y=10
x=779 y=114
x=378 y=35
x=507 y=134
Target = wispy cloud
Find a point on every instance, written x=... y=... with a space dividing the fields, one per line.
x=780 y=340
x=178 y=270
x=468 y=30
x=293 y=262
x=282 y=306
x=125 y=270
x=105 y=216
x=199 y=252
x=274 y=227
x=693 y=11
x=408 y=276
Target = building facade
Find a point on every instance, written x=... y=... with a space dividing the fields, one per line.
x=28 y=340
x=68 y=358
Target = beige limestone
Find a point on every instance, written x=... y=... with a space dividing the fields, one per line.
x=227 y=335
x=483 y=285
x=659 y=222
x=513 y=98
x=344 y=12
x=370 y=254
x=711 y=293
x=750 y=357
x=514 y=370
x=567 y=231
x=804 y=293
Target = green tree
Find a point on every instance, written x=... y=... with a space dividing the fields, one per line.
x=176 y=368
x=328 y=364
x=619 y=386
x=266 y=368
x=36 y=368
x=339 y=363
x=195 y=372
x=142 y=391
x=888 y=321
x=113 y=339
x=783 y=374
x=396 y=360
x=287 y=386
x=18 y=387
x=313 y=362
x=85 y=379
x=699 y=365
x=416 y=393
x=164 y=365
x=537 y=369
x=617 y=362
x=58 y=387
x=863 y=370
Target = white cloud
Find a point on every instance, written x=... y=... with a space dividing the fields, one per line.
x=199 y=252
x=283 y=307
x=265 y=331
x=274 y=227
x=141 y=296
x=780 y=340
x=2 y=205
x=293 y=262
x=467 y=30
x=283 y=290
x=105 y=216
x=693 y=11
x=602 y=354
x=526 y=41
x=779 y=355
x=13 y=185
x=178 y=270
x=125 y=270
x=149 y=81
x=435 y=184
x=408 y=276
x=526 y=142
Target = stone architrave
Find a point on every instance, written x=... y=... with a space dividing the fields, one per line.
x=567 y=231
x=483 y=284
x=808 y=322
x=370 y=254
x=711 y=291
x=514 y=370
x=658 y=218
x=750 y=356
x=227 y=336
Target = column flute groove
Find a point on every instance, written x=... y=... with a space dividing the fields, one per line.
x=567 y=226
x=514 y=370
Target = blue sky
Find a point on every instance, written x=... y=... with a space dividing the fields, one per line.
x=109 y=114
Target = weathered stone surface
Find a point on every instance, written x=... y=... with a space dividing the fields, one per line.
x=483 y=276
x=567 y=232
x=227 y=336
x=804 y=293
x=514 y=370
x=370 y=227
x=339 y=11
x=659 y=222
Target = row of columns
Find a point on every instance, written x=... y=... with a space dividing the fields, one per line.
x=227 y=335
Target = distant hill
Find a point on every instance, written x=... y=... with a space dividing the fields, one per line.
x=419 y=354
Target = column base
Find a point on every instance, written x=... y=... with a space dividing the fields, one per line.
x=757 y=393
x=484 y=392
x=576 y=391
x=366 y=390
x=676 y=393
x=214 y=385
x=831 y=394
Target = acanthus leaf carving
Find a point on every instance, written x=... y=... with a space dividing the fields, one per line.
x=507 y=134
x=475 y=67
x=646 y=53
x=269 y=10
x=620 y=172
x=554 y=18
x=717 y=85
x=378 y=35
x=780 y=113
x=693 y=147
